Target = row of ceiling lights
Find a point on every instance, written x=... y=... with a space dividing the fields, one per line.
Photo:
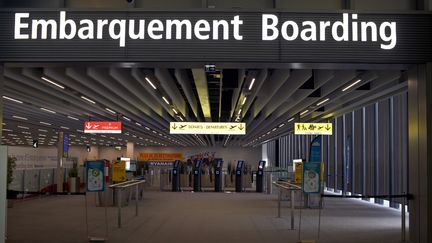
x=90 y=101
x=303 y=113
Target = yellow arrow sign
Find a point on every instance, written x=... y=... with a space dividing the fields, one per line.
x=221 y=128
x=313 y=128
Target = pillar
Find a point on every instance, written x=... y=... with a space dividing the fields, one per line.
x=130 y=150
x=3 y=167
x=420 y=158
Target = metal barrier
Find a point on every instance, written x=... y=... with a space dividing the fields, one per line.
x=119 y=188
x=283 y=185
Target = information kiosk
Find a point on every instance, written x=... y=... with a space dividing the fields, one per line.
x=197 y=176
x=260 y=176
x=239 y=176
x=218 y=175
x=176 y=176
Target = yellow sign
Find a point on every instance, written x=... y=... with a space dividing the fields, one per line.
x=160 y=156
x=222 y=128
x=313 y=128
x=298 y=175
x=118 y=170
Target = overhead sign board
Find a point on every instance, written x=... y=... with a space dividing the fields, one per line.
x=102 y=127
x=220 y=128
x=214 y=36
x=313 y=128
x=160 y=156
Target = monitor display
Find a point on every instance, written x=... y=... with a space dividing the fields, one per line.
x=261 y=164
x=128 y=163
x=240 y=164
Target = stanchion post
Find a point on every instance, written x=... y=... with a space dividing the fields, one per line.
x=136 y=199
x=292 y=209
x=403 y=220
x=119 y=197
x=279 y=202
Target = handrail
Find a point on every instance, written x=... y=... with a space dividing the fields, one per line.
x=287 y=185
x=126 y=183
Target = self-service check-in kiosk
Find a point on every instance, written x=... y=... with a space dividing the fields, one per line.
x=197 y=176
x=176 y=176
x=218 y=176
x=239 y=176
x=260 y=176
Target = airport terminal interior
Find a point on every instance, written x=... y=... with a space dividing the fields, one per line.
x=216 y=121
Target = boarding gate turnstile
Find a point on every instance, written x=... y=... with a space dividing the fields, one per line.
x=239 y=176
x=260 y=176
x=176 y=176
x=218 y=176
x=197 y=176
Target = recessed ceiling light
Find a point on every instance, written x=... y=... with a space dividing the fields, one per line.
x=73 y=118
x=166 y=101
x=126 y=118
x=47 y=110
x=12 y=99
x=252 y=83
x=67 y=128
x=20 y=117
x=322 y=102
x=23 y=127
x=52 y=82
x=87 y=99
x=45 y=123
x=174 y=110
x=42 y=130
x=351 y=85
x=244 y=100
x=304 y=112
x=138 y=124
x=281 y=125
x=290 y=120
x=110 y=111
x=150 y=82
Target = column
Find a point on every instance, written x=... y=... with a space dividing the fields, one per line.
x=420 y=158
x=130 y=150
x=3 y=167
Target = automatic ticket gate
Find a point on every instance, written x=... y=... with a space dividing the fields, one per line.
x=218 y=176
x=239 y=176
x=176 y=176
x=260 y=176
x=197 y=176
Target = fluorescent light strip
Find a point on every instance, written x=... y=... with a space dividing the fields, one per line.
x=175 y=112
x=304 y=112
x=12 y=99
x=244 y=101
x=166 y=101
x=252 y=83
x=127 y=119
x=349 y=86
x=23 y=127
x=281 y=125
x=322 y=102
x=20 y=117
x=67 y=128
x=87 y=99
x=53 y=83
x=79 y=130
x=239 y=112
x=45 y=123
x=138 y=124
x=150 y=82
x=47 y=110
x=110 y=111
x=7 y=130
x=290 y=120
x=147 y=128
x=73 y=118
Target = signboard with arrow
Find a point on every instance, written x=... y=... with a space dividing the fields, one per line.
x=102 y=127
x=313 y=128
x=220 y=128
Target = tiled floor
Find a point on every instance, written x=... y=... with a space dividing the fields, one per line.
x=200 y=218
